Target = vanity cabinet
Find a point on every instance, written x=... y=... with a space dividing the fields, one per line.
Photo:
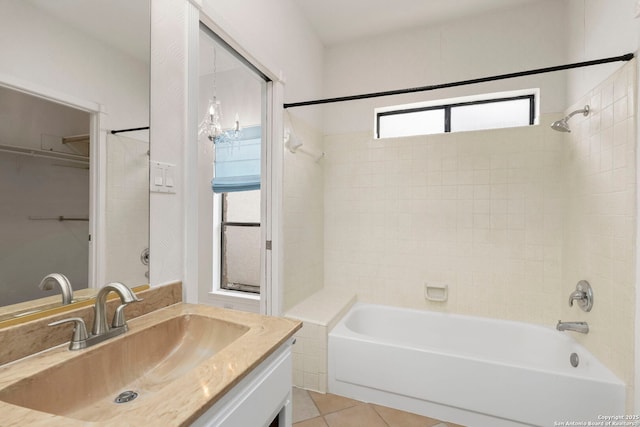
x=261 y=399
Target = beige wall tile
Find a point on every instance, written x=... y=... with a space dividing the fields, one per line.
x=464 y=207
x=600 y=218
x=303 y=207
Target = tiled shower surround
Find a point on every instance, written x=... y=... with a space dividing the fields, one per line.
x=510 y=219
x=303 y=206
x=480 y=211
x=600 y=220
x=127 y=209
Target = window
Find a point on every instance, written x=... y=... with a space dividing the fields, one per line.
x=423 y=121
x=456 y=115
x=240 y=254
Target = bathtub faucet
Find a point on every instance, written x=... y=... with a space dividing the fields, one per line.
x=581 y=327
x=583 y=295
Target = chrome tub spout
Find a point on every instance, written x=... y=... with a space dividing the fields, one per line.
x=581 y=327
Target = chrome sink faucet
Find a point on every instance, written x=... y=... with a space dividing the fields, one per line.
x=100 y=325
x=581 y=327
x=50 y=280
x=101 y=330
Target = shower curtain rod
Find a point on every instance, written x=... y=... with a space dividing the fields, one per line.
x=627 y=57
x=113 y=132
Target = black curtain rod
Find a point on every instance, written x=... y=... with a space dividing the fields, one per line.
x=627 y=57
x=113 y=132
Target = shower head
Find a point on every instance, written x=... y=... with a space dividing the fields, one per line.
x=562 y=125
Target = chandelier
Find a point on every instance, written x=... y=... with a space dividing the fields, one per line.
x=211 y=124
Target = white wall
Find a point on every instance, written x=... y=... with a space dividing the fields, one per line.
x=598 y=29
x=46 y=53
x=279 y=39
x=168 y=137
x=518 y=39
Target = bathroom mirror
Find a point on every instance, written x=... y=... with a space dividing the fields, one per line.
x=71 y=72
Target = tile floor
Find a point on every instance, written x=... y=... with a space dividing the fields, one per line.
x=312 y=409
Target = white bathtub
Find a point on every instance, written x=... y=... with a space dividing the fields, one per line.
x=468 y=370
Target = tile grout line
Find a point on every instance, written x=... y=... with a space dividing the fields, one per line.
x=379 y=414
x=358 y=403
x=316 y=405
x=336 y=411
x=320 y=414
x=349 y=407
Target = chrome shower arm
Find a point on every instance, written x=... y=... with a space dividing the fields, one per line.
x=562 y=125
x=584 y=111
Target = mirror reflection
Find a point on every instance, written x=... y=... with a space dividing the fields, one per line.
x=44 y=218
x=74 y=195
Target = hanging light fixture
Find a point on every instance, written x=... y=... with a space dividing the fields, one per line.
x=211 y=124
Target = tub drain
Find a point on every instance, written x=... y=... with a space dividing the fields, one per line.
x=574 y=360
x=126 y=396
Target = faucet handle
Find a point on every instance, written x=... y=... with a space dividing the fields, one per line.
x=583 y=294
x=576 y=296
x=118 y=317
x=80 y=334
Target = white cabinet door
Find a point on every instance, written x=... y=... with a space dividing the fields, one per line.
x=258 y=398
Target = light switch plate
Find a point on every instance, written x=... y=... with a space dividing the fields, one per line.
x=162 y=179
x=156 y=179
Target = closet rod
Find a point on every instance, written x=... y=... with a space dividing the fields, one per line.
x=113 y=132
x=627 y=57
x=47 y=154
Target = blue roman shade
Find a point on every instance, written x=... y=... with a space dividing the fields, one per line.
x=237 y=161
